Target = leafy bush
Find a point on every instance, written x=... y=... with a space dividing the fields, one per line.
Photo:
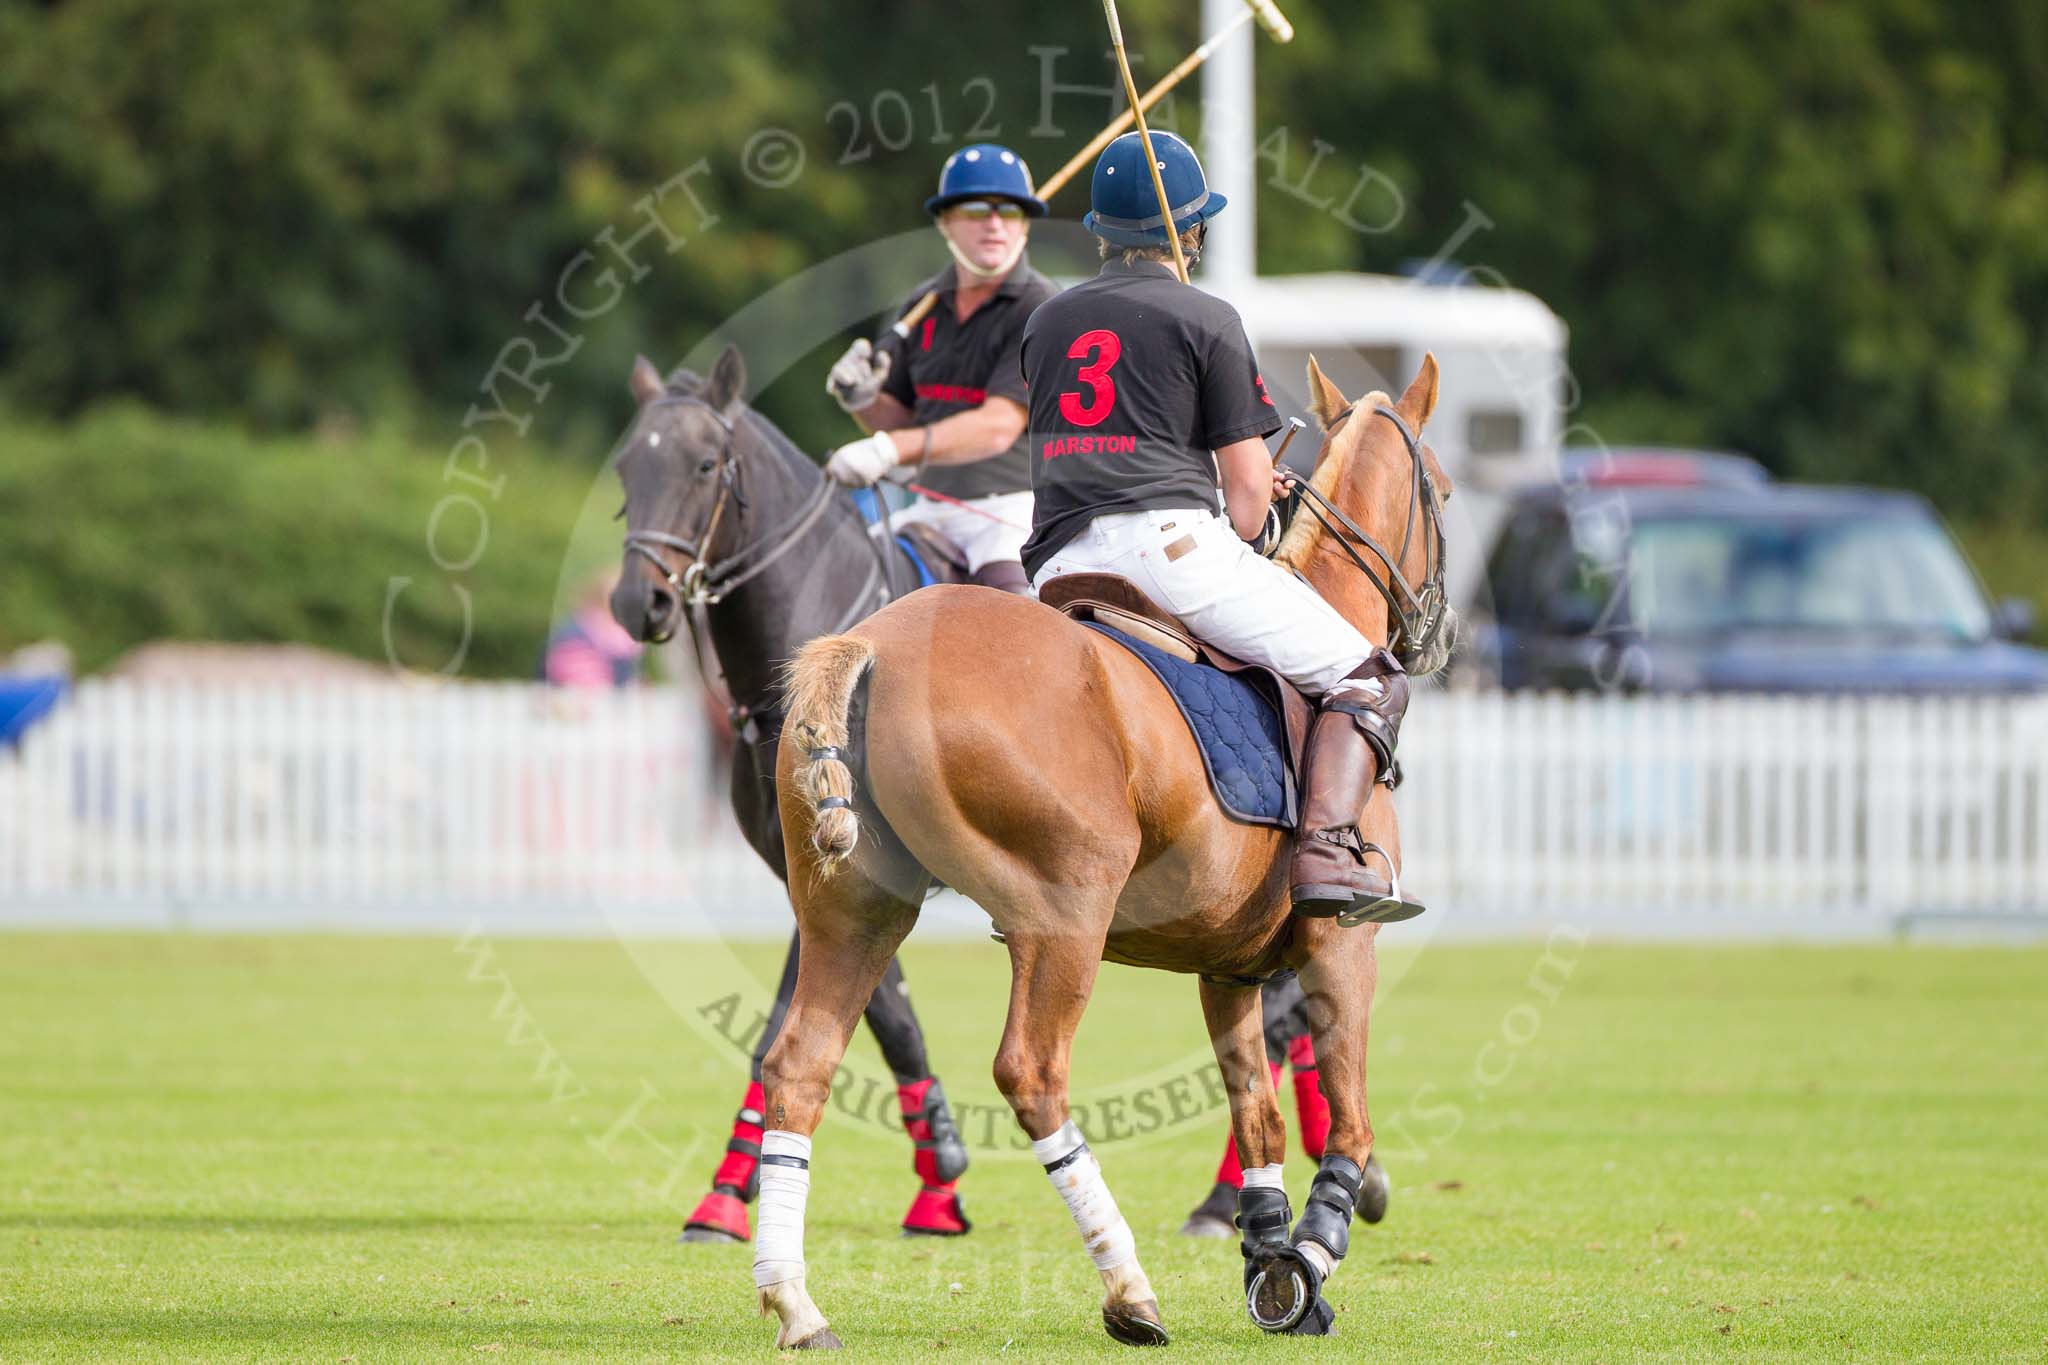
x=128 y=526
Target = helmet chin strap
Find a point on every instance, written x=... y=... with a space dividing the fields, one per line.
x=981 y=273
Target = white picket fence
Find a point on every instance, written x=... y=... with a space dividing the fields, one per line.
x=380 y=800
x=1821 y=813
x=383 y=804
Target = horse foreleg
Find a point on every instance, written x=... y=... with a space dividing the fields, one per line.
x=1051 y=975
x=849 y=931
x=1338 y=976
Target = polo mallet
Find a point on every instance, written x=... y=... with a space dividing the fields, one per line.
x=1123 y=65
x=1057 y=181
x=1270 y=19
x=1082 y=158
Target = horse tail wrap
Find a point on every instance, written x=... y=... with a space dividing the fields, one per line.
x=820 y=686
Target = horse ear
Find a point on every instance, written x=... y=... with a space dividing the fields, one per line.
x=1420 y=401
x=1323 y=396
x=645 y=381
x=728 y=382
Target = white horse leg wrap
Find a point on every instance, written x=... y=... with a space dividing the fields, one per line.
x=785 y=1186
x=1078 y=1177
x=1265 y=1178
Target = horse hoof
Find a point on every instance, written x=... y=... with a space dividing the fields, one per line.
x=1135 y=1324
x=1373 y=1191
x=704 y=1236
x=1212 y=1217
x=821 y=1340
x=1284 y=1289
x=936 y=1213
x=719 y=1217
x=1277 y=1299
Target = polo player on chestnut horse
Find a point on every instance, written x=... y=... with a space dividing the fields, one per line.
x=1076 y=811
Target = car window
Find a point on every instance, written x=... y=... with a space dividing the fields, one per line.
x=1895 y=574
x=1512 y=571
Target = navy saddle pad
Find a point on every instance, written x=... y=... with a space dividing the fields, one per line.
x=1237 y=726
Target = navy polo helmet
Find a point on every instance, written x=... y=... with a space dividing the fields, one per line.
x=985 y=171
x=1124 y=208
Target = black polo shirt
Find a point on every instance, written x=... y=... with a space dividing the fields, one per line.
x=949 y=366
x=1135 y=379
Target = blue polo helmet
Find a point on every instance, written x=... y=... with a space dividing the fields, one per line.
x=1123 y=206
x=985 y=171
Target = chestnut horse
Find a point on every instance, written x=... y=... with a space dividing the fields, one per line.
x=1041 y=770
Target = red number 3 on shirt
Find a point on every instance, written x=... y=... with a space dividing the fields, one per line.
x=1108 y=348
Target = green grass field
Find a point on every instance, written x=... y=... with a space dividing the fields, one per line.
x=341 y=1149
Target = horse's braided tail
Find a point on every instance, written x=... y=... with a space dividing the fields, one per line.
x=820 y=686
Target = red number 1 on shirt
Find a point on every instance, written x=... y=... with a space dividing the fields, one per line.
x=1108 y=348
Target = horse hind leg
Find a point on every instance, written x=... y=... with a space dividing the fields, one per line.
x=1052 y=973
x=850 y=929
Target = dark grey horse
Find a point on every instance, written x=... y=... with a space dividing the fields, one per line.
x=729 y=522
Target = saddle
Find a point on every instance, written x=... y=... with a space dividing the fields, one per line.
x=932 y=557
x=937 y=559
x=1253 y=759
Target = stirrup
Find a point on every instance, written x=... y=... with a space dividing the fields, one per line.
x=1387 y=909
x=1381 y=909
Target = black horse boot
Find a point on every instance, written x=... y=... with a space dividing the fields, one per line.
x=1350 y=748
x=1004 y=575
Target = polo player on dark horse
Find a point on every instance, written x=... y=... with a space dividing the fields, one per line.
x=945 y=405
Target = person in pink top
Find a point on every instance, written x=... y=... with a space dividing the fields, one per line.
x=590 y=649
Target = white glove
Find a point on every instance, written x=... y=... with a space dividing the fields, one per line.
x=860 y=463
x=857 y=377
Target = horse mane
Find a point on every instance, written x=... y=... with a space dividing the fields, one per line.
x=684 y=382
x=1298 y=546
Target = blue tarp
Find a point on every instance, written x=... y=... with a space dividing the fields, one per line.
x=26 y=700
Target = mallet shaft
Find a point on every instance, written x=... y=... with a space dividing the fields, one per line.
x=1294 y=428
x=1123 y=65
x=916 y=314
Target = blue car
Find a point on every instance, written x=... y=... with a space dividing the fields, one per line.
x=1669 y=571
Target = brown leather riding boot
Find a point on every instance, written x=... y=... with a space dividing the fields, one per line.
x=1005 y=575
x=1350 y=746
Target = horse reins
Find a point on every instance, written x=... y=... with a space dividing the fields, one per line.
x=1418 y=613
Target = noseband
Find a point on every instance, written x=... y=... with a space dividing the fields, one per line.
x=1418 y=612
x=705 y=582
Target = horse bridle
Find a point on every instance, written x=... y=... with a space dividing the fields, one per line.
x=703 y=582
x=1418 y=612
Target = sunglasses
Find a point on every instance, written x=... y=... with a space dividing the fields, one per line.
x=977 y=210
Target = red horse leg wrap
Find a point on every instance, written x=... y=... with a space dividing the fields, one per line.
x=919 y=1123
x=1230 y=1171
x=1311 y=1109
x=939 y=1159
x=738 y=1175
